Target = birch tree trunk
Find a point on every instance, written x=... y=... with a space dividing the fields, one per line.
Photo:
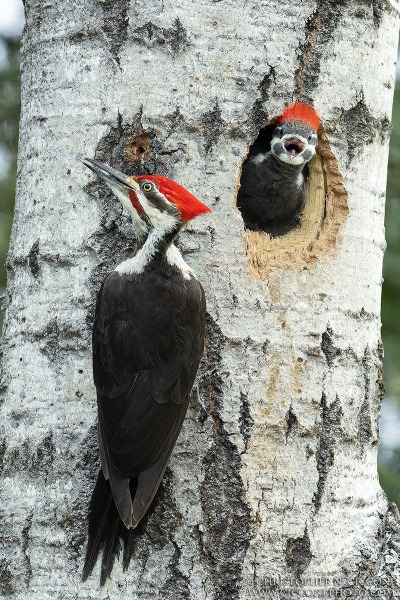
x=272 y=490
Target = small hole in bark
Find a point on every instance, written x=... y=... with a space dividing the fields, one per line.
x=303 y=239
x=137 y=147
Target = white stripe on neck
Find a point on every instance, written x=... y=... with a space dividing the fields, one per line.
x=175 y=259
x=137 y=264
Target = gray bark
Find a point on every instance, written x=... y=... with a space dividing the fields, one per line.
x=272 y=490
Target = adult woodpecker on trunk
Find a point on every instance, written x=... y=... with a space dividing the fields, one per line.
x=271 y=194
x=148 y=337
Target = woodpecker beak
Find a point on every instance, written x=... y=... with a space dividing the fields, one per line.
x=119 y=183
x=110 y=175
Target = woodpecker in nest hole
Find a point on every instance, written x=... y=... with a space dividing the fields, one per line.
x=148 y=338
x=271 y=193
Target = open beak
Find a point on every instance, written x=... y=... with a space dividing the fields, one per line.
x=116 y=179
x=293 y=146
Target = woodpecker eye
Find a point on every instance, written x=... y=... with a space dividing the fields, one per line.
x=147 y=187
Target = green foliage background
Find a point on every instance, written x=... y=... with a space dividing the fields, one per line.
x=389 y=462
x=9 y=120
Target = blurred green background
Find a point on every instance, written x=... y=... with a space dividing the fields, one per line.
x=389 y=454
x=9 y=118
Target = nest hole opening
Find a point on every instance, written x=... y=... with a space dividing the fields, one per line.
x=271 y=191
x=300 y=242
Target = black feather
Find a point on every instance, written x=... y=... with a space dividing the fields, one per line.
x=112 y=545
x=269 y=197
x=148 y=337
x=130 y=536
x=99 y=513
x=106 y=532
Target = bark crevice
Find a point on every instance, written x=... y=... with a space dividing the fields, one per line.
x=25 y=541
x=329 y=437
x=246 y=421
x=361 y=128
x=174 y=39
x=227 y=516
x=33 y=259
x=258 y=115
x=7 y=580
x=328 y=347
x=212 y=125
x=291 y=423
x=115 y=24
x=319 y=30
x=298 y=553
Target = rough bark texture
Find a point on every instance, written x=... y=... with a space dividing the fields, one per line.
x=272 y=489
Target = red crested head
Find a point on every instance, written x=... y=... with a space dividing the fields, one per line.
x=302 y=112
x=189 y=207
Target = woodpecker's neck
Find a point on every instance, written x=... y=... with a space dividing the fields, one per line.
x=141 y=236
x=157 y=248
x=141 y=231
x=287 y=173
x=286 y=170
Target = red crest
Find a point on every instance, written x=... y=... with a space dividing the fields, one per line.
x=300 y=111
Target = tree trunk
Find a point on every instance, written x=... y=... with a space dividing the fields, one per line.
x=272 y=489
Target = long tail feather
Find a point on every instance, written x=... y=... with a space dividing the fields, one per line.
x=99 y=508
x=106 y=531
x=129 y=535
x=112 y=546
x=129 y=545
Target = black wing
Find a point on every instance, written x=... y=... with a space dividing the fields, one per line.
x=147 y=342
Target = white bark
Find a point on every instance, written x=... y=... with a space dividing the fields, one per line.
x=274 y=474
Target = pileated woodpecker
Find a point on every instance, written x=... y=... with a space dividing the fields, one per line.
x=271 y=194
x=148 y=338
